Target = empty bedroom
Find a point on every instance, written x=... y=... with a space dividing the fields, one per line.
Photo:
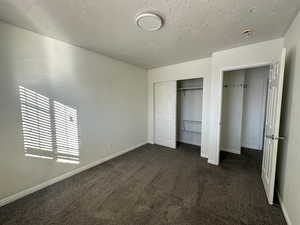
x=149 y=112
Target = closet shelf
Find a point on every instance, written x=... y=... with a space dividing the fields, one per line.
x=193 y=121
x=190 y=131
x=189 y=88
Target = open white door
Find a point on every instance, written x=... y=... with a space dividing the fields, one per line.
x=275 y=87
x=165 y=94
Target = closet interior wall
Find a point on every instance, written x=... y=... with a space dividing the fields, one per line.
x=254 y=107
x=189 y=111
x=232 y=111
x=243 y=109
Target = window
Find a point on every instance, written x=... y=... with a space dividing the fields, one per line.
x=50 y=128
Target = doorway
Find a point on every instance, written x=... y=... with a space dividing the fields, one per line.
x=271 y=120
x=189 y=112
x=243 y=109
x=178 y=112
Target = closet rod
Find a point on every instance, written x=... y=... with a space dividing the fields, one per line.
x=189 y=89
x=196 y=121
x=235 y=85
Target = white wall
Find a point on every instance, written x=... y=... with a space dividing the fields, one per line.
x=236 y=58
x=232 y=111
x=254 y=105
x=188 y=70
x=288 y=182
x=110 y=97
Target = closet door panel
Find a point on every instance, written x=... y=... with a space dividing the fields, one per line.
x=165 y=113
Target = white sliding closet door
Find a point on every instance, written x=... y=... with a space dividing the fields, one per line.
x=165 y=94
x=275 y=87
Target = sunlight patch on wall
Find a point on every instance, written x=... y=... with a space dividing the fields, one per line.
x=50 y=128
x=36 y=123
x=66 y=133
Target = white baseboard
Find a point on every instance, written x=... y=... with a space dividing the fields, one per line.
x=286 y=215
x=204 y=155
x=190 y=142
x=213 y=162
x=31 y=190
x=254 y=147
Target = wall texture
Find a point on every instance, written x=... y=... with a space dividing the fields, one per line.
x=288 y=182
x=110 y=97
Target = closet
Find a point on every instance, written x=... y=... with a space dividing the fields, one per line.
x=243 y=109
x=189 y=111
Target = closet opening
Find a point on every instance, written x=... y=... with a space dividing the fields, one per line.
x=189 y=113
x=244 y=100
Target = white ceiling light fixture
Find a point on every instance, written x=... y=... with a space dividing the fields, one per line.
x=149 y=21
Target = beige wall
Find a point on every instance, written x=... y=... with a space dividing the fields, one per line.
x=110 y=97
x=288 y=182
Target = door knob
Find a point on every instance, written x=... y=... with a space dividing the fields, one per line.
x=275 y=138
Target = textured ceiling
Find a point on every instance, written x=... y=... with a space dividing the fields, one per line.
x=193 y=28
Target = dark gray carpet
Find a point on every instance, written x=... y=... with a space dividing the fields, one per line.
x=153 y=185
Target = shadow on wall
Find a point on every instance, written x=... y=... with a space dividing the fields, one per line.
x=50 y=128
x=46 y=22
x=287 y=99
